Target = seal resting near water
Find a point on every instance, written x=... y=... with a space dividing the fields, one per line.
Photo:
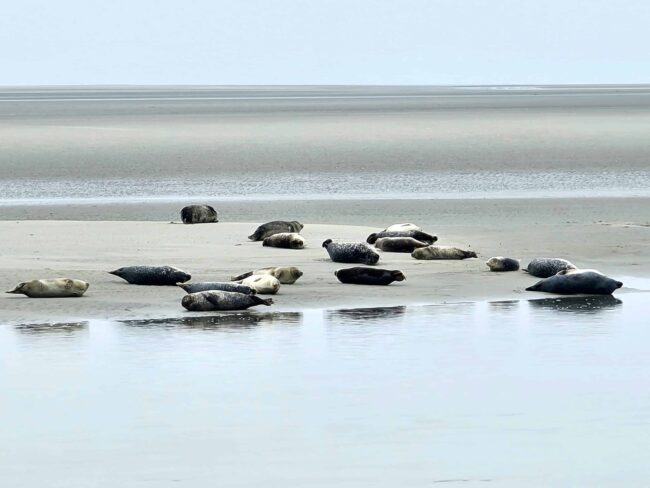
x=402 y=227
x=216 y=285
x=152 y=275
x=206 y=301
x=263 y=284
x=287 y=240
x=442 y=252
x=399 y=244
x=286 y=275
x=199 y=214
x=275 y=227
x=545 y=267
x=500 y=263
x=415 y=234
x=368 y=276
x=350 y=252
x=56 y=288
x=577 y=282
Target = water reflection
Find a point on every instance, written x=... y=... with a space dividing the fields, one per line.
x=355 y=315
x=237 y=320
x=504 y=306
x=53 y=328
x=578 y=305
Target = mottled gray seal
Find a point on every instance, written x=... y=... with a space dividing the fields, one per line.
x=286 y=275
x=287 y=240
x=56 y=288
x=199 y=214
x=415 y=234
x=152 y=275
x=350 y=252
x=399 y=244
x=545 y=267
x=216 y=285
x=500 y=263
x=264 y=284
x=205 y=301
x=574 y=283
x=442 y=252
x=274 y=227
x=368 y=276
x=402 y=227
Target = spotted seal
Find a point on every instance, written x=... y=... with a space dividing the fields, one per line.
x=275 y=227
x=545 y=267
x=199 y=214
x=286 y=275
x=442 y=252
x=152 y=275
x=205 y=301
x=574 y=283
x=54 y=288
x=398 y=244
x=287 y=240
x=350 y=252
x=216 y=285
x=500 y=263
x=415 y=234
x=368 y=276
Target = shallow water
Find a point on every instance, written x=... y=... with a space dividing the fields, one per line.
x=549 y=392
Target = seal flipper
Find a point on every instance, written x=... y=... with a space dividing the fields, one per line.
x=15 y=291
x=262 y=301
x=241 y=276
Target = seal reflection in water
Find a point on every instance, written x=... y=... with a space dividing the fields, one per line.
x=152 y=275
x=350 y=252
x=199 y=214
x=442 y=252
x=577 y=283
x=206 y=301
x=275 y=227
x=56 y=288
x=368 y=276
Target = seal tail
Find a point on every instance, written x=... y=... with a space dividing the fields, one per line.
x=262 y=301
x=241 y=276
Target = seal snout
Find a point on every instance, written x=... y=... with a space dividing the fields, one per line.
x=327 y=242
x=619 y=284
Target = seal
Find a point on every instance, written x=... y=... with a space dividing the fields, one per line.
x=152 y=275
x=574 y=283
x=206 y=301
x=262 y=284
x=350 y=252
x=275 y=227
x=442 y=252
x=415 y=234
x=199 y=214
x=545 y=267
x=216 y=285
x=287 y=240
x=56 y=288
x=399 y=244
x=500 y=263
x=402 y=227
x=286 y=275
x=368 y=276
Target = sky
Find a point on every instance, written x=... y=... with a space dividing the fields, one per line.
x=412 y=42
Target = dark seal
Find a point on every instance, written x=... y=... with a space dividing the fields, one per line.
x=545 y=267
x=418 y=235
x=152 y=275
x=350 y=252
x=221 y=300
x=399 y=244
x=583 y=283
x=368 y=276
x=216 y=285
x=198 y=214
x=500 y=263
x=275 y=227
x=287 y=240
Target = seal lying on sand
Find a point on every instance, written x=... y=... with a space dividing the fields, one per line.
x=350 y=252
x=198 y=214
x=545 y=267
x=500 y=263
x=442 y=252
x=402 y=227
x=415 y=234
x=263 y=284
x=274 y=227
x=287 y=275
x=399 y=244
x=221 y=300
x=216 y=285
x=368 y=276
x=573 y=283
x=152 y=275
x=288 y=240
x=56 y=288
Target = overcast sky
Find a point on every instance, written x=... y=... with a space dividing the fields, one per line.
x=324 y=42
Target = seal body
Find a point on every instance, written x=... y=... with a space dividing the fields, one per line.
x=152 y=275
x=205 y=301
x=275 y=227
x=368 y=276
x=545 y=267
x=199 y=214
x=585 y=283
x=262 y=284
x=350 y=252
x=288 y=240
x=415 y=234
x=399 y=244
x=286 y=275
x=56 y=288
x=442 y=252
x=500 y=263
x=402 y=227
x=216 y=285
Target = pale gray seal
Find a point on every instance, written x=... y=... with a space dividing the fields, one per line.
x=56 y=288
x=402 y=227
x=216 y=285
x=415 y=234
x=574 y=283
x=545 y=267
x=368 y=276
x=350 y=252
x=199 y=214
x=205 y=301
x=442 y=252
x=264 y=284
x=398 y=244
x=500 y=263
x=287 y=275
x=275 y=227
x=152 y=275
x=287 y=240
